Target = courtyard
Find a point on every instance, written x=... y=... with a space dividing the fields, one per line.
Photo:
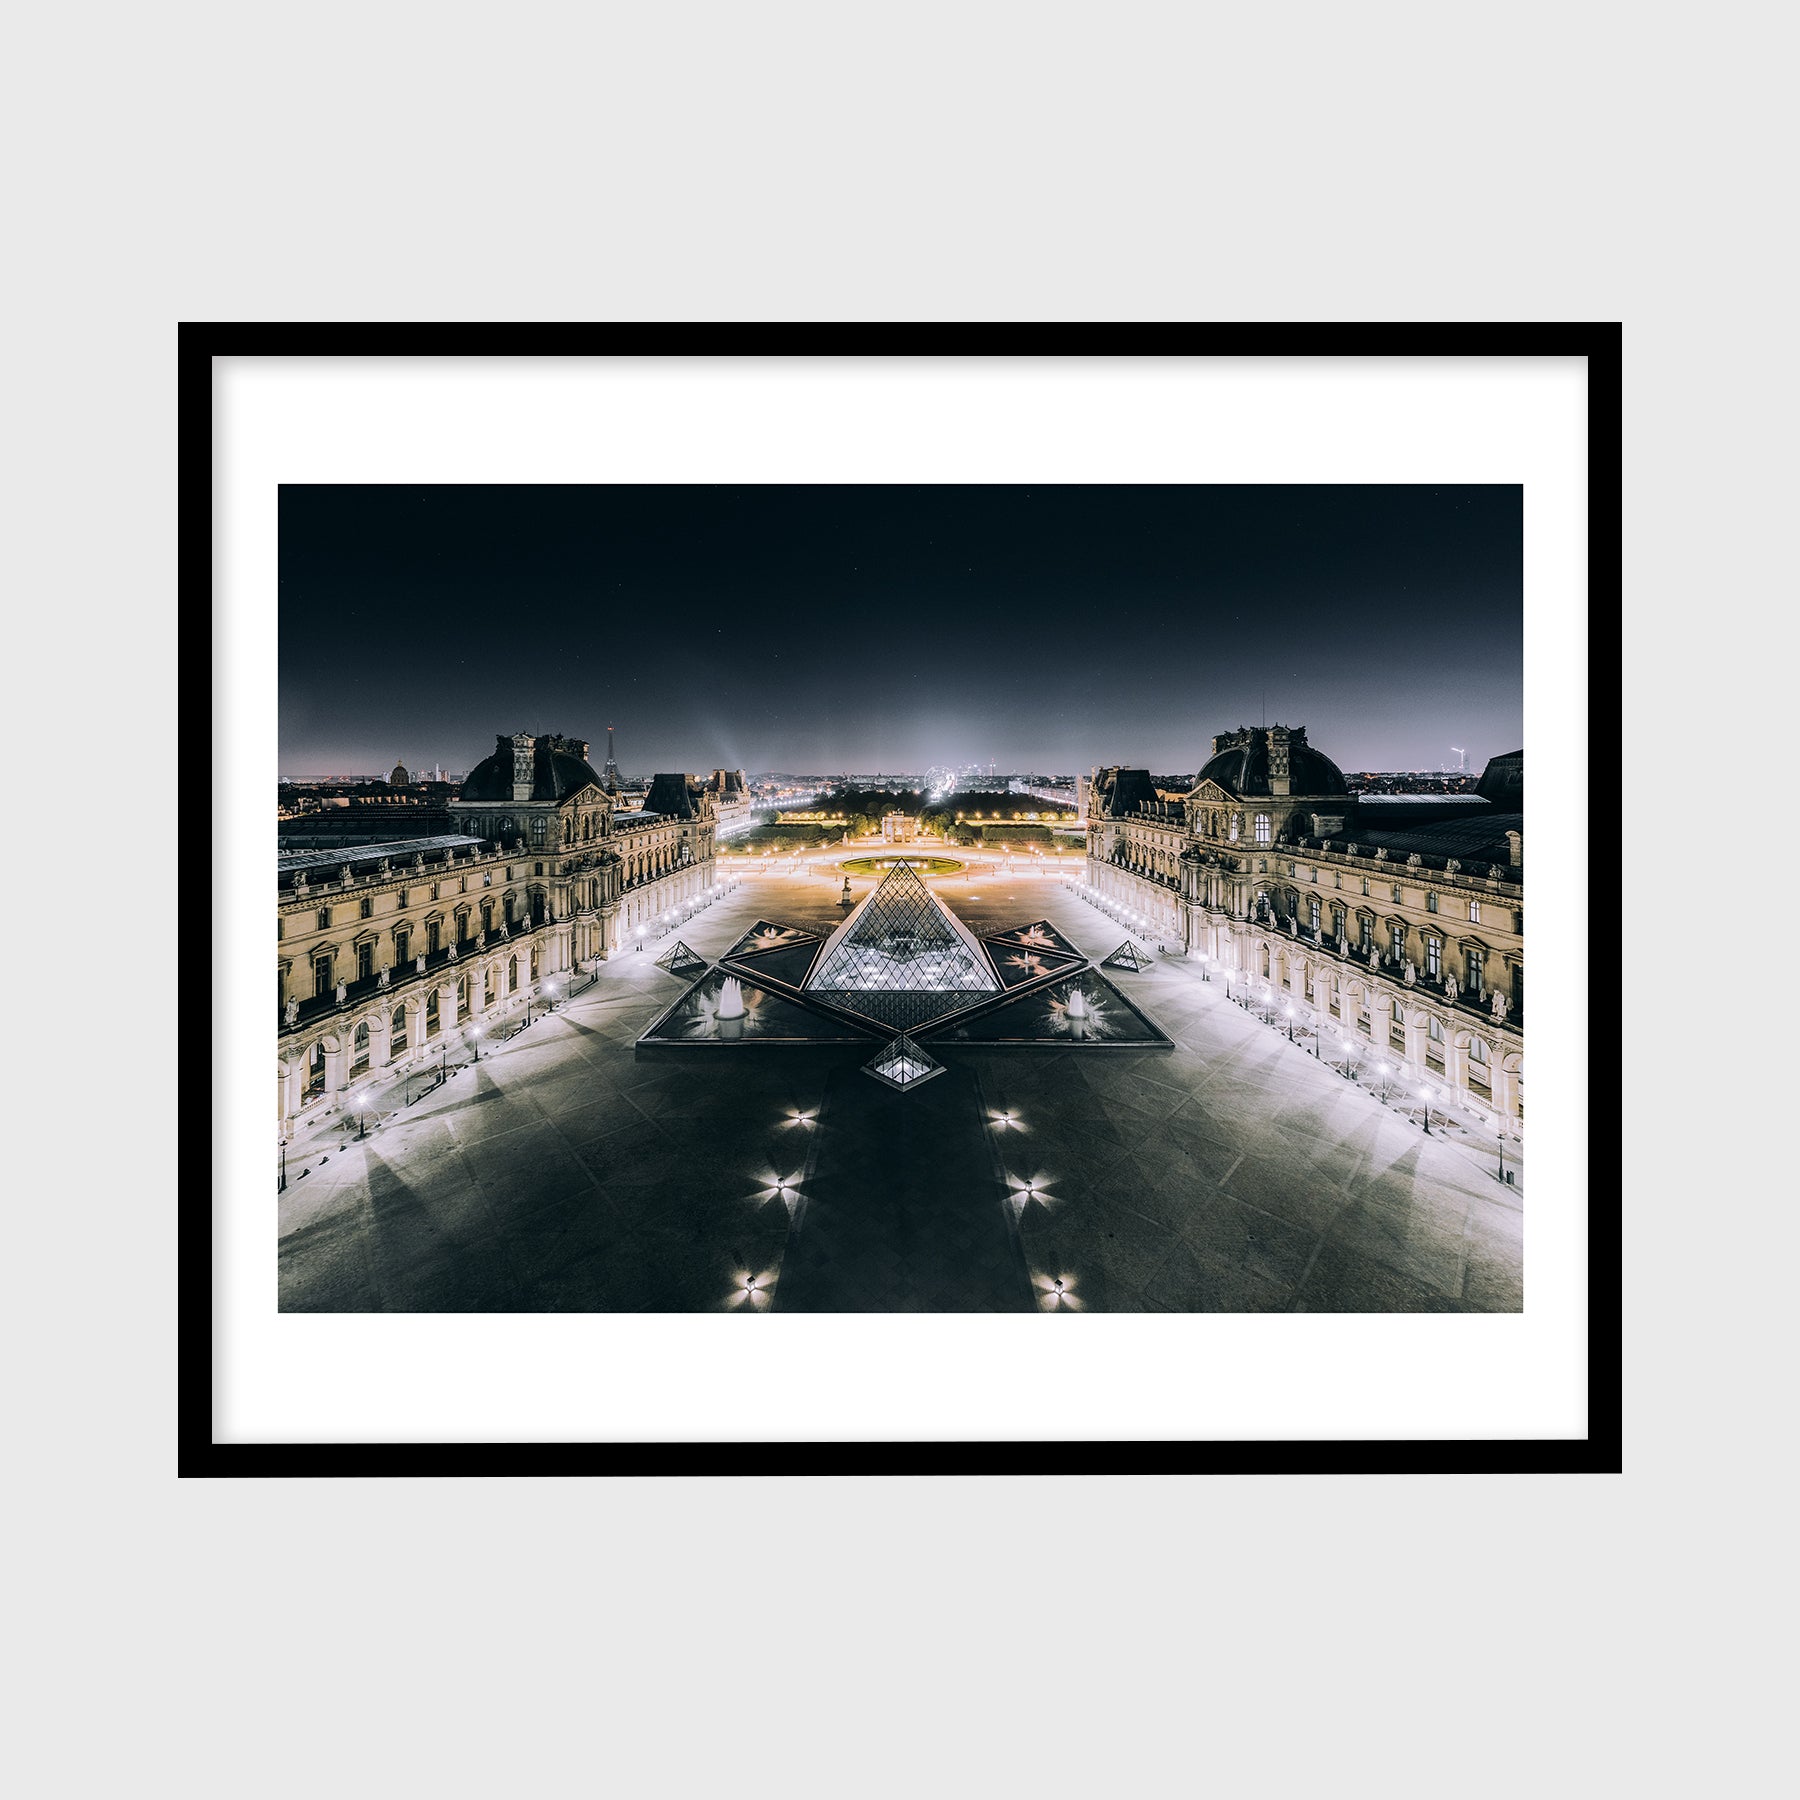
x=561 y=1171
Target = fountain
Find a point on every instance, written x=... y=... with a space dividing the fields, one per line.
x=730 y=1011
x=1078 y=1013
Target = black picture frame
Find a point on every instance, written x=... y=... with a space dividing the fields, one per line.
x=1599 y=1452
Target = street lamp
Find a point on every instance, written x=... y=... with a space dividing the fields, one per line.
x=1425 y=1109
x=475 y=1039
x=281 y=1182
x=1290 y=1025
x=359 y=1098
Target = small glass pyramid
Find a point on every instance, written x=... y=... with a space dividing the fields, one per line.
x=903 y=1064
x=680 y=960
x=1128 y=956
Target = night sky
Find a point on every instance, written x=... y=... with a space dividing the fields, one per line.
x=818 y=629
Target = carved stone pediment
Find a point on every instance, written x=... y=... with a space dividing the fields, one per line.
x=1209 y=793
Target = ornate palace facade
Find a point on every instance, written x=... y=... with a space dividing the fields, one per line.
x=386 y=950
x=1408 y=936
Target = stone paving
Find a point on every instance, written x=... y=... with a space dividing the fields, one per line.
x=1234 y=1173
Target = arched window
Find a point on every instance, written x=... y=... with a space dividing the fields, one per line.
x=315 y=1070
x=1263 y=831
x=360 y=1060
x=397 y=1029
x=432 y=1021
x=537 y=833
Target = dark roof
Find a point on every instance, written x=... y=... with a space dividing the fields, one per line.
x=670 y=796
x=556 y=772
x=399 y=850
x=1403 y=812
x=1474 y=842
x=1128 y=790
x=1242 y=768
x=1503 y=780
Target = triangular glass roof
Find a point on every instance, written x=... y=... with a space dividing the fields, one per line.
x=901 y=958
x=764 y=935
x=1041 y=936
x=1128 y=956
x=680 y=960
x=903 y=1064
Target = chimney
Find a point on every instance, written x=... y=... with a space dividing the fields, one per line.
x=523 y=761
x=1279 y=766
x=1515 y=844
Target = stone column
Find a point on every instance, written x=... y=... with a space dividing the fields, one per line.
x=447 y=1007
x=337 y=1070
x=1506 y=1084
x=1418 y=1035
x=1456 y=1062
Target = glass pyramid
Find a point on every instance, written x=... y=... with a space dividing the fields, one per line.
x=901 y=959
x=903 y=1064
x=681 y=960
x=1128 y=956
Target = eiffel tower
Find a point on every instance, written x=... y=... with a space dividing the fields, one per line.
x=901 y=959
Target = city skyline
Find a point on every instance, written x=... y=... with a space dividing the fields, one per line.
x=812 y=630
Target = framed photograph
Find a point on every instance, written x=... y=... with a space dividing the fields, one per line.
x=901 y=900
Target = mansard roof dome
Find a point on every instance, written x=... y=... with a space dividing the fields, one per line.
x=1240 y=763
x=559 y=767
